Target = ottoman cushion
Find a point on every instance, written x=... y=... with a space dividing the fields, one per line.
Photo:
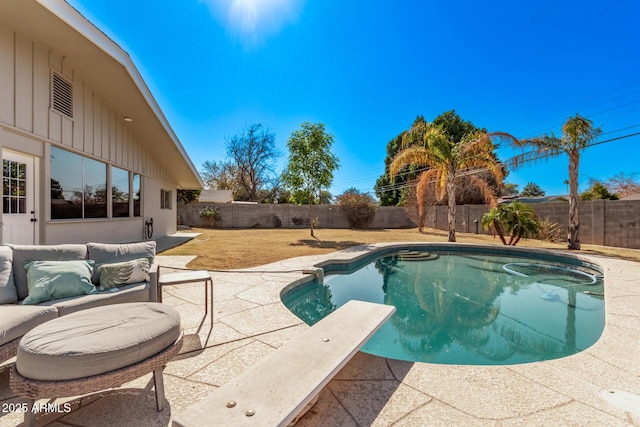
x=17 y=319
x=96 y=341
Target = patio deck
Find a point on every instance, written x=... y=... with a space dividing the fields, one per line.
x=251 y=322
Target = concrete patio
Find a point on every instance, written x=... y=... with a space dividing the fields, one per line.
x=251 y=322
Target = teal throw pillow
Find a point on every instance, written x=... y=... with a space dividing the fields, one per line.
x=123 y=273
x=48 y=280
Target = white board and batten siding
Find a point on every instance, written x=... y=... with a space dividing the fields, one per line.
x=28 y=124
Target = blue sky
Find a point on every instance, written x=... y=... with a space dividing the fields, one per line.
x=367 y=69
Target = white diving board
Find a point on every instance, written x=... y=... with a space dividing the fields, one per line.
x=278 y=388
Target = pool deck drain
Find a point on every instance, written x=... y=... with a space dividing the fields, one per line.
x=250 y=322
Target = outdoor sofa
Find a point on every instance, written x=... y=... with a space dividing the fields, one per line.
x=39 y=283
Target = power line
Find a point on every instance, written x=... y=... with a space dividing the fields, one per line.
x=506 y=163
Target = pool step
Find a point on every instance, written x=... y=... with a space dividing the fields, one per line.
x=410 y=255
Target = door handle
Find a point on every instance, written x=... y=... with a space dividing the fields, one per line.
x=33 y=219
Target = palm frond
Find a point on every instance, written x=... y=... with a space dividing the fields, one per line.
x=485 y=189
x=414 y=155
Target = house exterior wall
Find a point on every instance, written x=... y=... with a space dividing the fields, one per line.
x=28 y=125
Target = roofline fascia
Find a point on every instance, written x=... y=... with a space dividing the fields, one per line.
x=82 y=25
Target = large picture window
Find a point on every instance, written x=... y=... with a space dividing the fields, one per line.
x=78 y=186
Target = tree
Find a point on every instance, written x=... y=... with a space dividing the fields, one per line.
x=393 y=191
x=248 y=170
x=598 y=191
x=187 y=196
x=623 y=185
x=221 y=176
x=577 y=134
x=311 y=164
x=360 y=208
x=509 y=189
x=450 y=147
x=532 y=190
x=516 y=218
x=253 y=152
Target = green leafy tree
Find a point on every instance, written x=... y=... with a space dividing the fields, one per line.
x=360 y=208
x=509 y=189
x=449 y=147
x=393 y=191
x=598 y=191
x=516 y=218
x=532 y=190
x=310 y=165
x=187 y=196
x=577 y=134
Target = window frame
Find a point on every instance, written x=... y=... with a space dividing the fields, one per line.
x=166 y=199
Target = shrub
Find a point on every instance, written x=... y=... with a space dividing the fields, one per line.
x=211 y=215
x=359 y=208
x=516 y=218
x=550 y=231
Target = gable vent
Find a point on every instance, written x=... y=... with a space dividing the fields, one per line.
x=62 y=96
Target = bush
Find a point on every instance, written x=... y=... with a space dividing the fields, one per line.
x=211 y=215
x=359 y=208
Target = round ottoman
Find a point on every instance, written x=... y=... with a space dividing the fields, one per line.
x=96 y=349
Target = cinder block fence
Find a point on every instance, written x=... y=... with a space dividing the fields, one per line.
x=602 y=222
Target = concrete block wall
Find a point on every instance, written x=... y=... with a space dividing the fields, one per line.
x=240 y=215
x=602 y=222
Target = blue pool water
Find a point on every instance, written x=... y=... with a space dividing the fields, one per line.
x=467 y=308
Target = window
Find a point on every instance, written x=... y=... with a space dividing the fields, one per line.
x=78 y=186
x=135 y=188
x=14 y=199
x=120 y=192
x=165 y=199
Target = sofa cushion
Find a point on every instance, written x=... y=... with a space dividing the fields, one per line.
x=24 y=253
x=8 y=292
x=17 y=320
x=49 y=280
x=123 y=273
x=136 y=292
x=105 y=253
x=96 y=341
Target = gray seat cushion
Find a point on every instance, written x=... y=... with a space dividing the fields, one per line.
x=97 y=340
x=8 y=292
x=24 y=253
x=17 y=319
x=137 y=292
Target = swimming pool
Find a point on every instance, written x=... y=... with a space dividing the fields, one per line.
x=455 y=305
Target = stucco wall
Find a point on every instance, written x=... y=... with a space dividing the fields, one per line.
x=602 y=222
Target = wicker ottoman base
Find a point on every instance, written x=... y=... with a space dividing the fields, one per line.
x=37 y=389
x=95 y=349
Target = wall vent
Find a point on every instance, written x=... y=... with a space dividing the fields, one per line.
x=62 y=96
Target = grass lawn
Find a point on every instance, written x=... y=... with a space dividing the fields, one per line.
x=224 y=249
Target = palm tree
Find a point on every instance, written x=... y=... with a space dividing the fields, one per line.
x=578 y=132
x=427 y=144
x=516 y=218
